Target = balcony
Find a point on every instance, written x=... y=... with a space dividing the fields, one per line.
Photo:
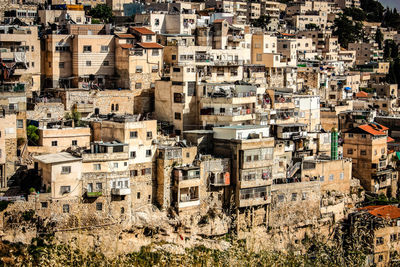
x=293 y=135
x=235 y=38
x=228 y=62
x=189 y=203
x=94 y=194
x=136 y=52
x=12 y=88
x=220 y=180
x=120 y=191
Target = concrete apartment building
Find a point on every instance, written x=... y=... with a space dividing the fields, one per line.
x=83 y=58
x=140 y=137
x=20 y=55
x=366 y=52
x=226 y=104
x=251 y=151
x=366 y=145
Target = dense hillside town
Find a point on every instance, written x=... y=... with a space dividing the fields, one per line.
x=127 y=122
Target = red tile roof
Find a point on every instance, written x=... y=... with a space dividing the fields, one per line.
x=151 y=45
x=372 y=129
x=390 y=139
x=362 y=94
x=386 y=211
x=143 y=30
x=126 y=46
x=124 y=35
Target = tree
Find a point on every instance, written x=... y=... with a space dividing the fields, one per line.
x=75 y=116
x=373 y=9
x=379 y=38
x=262 y=21
x=32 y=134
x=347 y=30
x=393 y=76
x=391 y=50
x=102 y=12
x=312 y=26
x=356 y=13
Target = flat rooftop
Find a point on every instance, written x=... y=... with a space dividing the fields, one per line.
x=242 y=127
x=56 y=158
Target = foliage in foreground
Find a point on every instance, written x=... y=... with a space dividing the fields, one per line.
x=42 y=252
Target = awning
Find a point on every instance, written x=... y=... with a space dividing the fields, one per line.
x=398 y=155
x=347 y=88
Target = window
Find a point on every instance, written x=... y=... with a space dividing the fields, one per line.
x=61 y=65
x=90 y=187
x=87 y=49
x=133 y=154
x=294 y=196
x=176 y=70
x=157 y=22
x=65 y=189
x=20 y=124
x=146 y=171
x=187 y=154
x=152 y=85
x=65 y=208
x=350 y=151
x=322 y=178
x=341 y=176
x=173 y=57
x=139 y=69
x=304 y=196
x=115 y=164
x=53 y=143
x=363 y=152
x=383 y=150
x=133 y=134
x=44 y=205
x=331 y=177
x=379 y=240
x=155 y=52
x=138 y=86
x=104 y=49
x=88 y=63
x=74 y=142
x=259 y=57
x=148 y=153
x=149 y=135
x=106 y=63
x=99 y=206
x=133 y=173
x=380 y=258
x=65 y=169
x=178 y=98
x=364 y=136
x=138 y=195
x=99 y=186
x=177 y=116
x=154 y=69
x=148 y=38
x=393 y=237
x=97 y=167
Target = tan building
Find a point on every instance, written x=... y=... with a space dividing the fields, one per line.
x=366 y=145
x=366 y=52
x=251 y=151
x=20 y=55
x=8 y=146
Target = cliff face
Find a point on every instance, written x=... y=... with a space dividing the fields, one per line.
x=288 y=224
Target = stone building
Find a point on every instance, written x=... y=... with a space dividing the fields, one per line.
x=366 y=145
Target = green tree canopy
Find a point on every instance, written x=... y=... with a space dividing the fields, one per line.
x=32 y=134
x=347 y=30
x=356 y=13
x=262 y=21
x=102 y=12
x=373 y=9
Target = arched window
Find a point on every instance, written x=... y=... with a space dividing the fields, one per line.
x=116 y=107
x=112 y=107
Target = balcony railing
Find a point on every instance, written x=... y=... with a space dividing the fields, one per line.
x=121 y=191
x=94 y=194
